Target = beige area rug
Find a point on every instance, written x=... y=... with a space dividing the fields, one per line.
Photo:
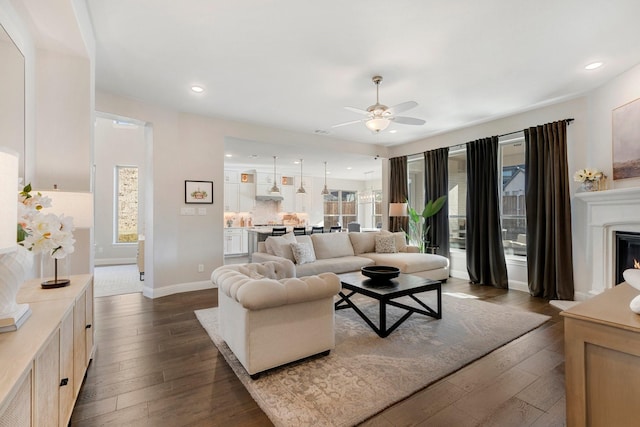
x=365 y=374
x=116 y=280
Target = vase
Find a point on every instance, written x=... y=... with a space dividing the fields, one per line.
x=589 y=185
x=54 y=272
x=14 y=267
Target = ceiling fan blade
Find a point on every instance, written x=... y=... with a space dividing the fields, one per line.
x=403 y=107
x=408 y=120
x=357 y=110
x=348 y=123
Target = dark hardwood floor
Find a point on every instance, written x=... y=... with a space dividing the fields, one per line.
x=156 y=366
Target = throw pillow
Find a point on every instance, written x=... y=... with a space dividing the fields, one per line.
x=386 y=244
x=280 y=246
x=303 y=252
x=401 y=239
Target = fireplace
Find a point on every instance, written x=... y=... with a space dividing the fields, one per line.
x=627 y=249
x=605 y=214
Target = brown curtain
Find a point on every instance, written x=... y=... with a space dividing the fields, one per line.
x=549 y=253
x=486 y=264
x=398 y=191
x=436 y=168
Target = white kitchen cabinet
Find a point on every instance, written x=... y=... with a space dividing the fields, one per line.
x=231 y=177
x=232 y=241
x=246 y=196
x=231 y=197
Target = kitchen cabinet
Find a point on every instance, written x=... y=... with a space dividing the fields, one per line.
x=246 y=196
x=231 y=177
x=233 y=241
x=231 y=197
x=48 y=355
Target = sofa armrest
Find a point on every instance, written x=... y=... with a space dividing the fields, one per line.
x=263 y=257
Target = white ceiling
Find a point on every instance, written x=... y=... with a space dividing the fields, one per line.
x=295 y=64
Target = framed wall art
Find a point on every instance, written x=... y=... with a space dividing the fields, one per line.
x=625 y=124
x=198 y=192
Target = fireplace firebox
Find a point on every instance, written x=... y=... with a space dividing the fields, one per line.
x=627 y=253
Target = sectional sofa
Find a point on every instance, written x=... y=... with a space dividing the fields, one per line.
x=345 y=252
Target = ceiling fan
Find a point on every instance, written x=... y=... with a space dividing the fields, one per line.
x=379 y=116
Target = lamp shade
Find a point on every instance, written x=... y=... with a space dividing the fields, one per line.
x=77 y=205
x=397 y=209
x=8 y=200
x=377 y=124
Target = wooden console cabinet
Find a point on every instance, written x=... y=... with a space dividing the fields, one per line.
x=602 y=360
x=43 y=363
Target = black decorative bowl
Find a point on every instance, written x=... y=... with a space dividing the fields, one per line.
x=380 y=272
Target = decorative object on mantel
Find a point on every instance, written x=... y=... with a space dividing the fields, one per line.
x=590 y=178
x=47 y=234
x=632 y=277
x=15 y=261
x=626 y=133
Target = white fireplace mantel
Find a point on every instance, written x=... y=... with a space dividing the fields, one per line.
x=607 y=212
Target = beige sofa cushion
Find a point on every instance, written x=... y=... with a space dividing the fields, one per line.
x=332 y=245
x=335 y=265
x=281 y=246
x=409 y=262
x=363 y=242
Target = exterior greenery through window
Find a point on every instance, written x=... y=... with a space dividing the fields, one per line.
x=513 y=212
x=126 y=206
x=340 y=207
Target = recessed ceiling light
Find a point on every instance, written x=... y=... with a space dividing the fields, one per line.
x=349 y=168
x=593 y=66
x=321 y=132
x=393 y=131
x=197 y=89
x=228 y=155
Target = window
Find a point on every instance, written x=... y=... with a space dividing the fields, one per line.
x=340 y=207
x=126 y=204
x=457 y=198
x=512 y=203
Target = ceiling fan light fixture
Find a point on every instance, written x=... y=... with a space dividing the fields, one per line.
x=377 y=124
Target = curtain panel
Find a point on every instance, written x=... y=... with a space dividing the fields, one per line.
x=485 y=253
x=436 y=168
x=398 y=191
x=548 y=201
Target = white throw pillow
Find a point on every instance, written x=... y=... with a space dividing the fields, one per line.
x=281 y=246
x=386 y=244
x=632 y=277
x=303 y=252
x=401 y=239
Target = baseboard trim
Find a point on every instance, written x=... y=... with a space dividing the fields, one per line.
x=113 y=261
x=176 y=289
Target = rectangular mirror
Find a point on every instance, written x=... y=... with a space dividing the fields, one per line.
x=12 y=98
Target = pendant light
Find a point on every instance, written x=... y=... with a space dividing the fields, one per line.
x=301 y=190
x=274 y=189
x=325 y=190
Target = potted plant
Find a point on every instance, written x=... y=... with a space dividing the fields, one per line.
x=418 y=228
